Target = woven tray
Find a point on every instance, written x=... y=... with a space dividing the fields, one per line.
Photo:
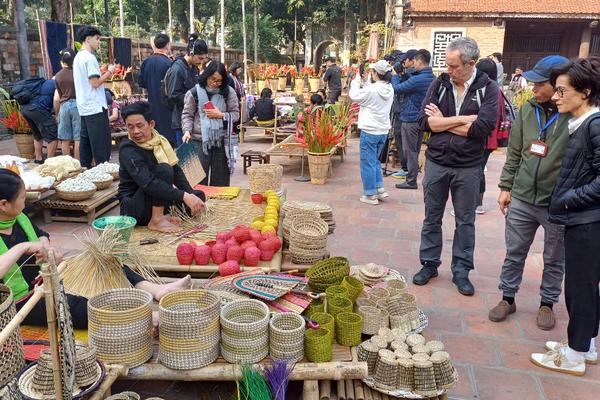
x=103 y=184
x=75 y=196
x=12 y=356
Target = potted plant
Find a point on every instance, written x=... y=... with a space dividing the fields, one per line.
x=259 y=76
x=282 y=76
x=314 y=82
x=271 y=73
x=321 y=134
x=15 y=122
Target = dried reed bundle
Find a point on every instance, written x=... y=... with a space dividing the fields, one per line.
x=99 y=267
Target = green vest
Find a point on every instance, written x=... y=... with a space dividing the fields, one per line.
x=14 y=278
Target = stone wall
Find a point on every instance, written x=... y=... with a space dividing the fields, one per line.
x=9 y=58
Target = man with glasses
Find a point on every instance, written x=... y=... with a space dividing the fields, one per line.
x=536 y=145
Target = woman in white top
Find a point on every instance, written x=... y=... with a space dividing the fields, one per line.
x=375 y=96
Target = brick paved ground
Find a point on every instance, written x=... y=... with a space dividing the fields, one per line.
x=492 y=359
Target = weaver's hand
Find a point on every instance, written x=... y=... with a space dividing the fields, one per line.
x=186 y=137
x=504 y=201
x=193 y=202
x=214 y=113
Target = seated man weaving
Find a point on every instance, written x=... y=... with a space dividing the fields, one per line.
x=151 y=181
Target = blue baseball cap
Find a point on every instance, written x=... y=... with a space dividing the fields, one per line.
x=409 y=55
x=541 y=70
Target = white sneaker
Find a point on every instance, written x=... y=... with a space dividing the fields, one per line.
x=591 y=357
x=372 y=200
x=382 y=194
x=558 y=361
x=480 y=210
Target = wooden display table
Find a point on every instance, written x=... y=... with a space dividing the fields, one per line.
x=56 y=209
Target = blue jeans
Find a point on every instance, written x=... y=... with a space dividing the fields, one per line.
x=178 y=136
x=370 y=167
x=69 y=121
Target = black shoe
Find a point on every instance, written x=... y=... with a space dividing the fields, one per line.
x=464 y=286
x=424 y=275
x=405 y=185
x=38 y=161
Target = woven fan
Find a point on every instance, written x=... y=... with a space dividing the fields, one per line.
x=190 y=163
x=268 y=287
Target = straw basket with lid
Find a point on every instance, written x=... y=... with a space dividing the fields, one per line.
x=263 y=177
x=12 y=356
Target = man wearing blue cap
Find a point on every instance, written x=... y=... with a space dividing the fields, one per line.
x=536 y=145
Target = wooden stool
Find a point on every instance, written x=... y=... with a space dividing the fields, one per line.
x=253 y=155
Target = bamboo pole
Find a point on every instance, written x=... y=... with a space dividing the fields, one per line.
x=42 y=46
x=359 y=392
x=223 y=31
x=170 y=20
x=47 y=271
x=114 y=372
x=121 y=19
x=341 y=390
x=324 y=390
x=192 y=17
x=349 y=389
x=72 y=29
x=310 y=390
x=368 y=393
x=21 y=315
x=245 y=40
x=376 y=395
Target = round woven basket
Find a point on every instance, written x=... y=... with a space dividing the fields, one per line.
x=386 y=370
x=415 y=339
x=189 y=329
x=103 y=184
x=338 y=305
x=364 y=302
x=380 y=342
x=354 y=286
x=317 y=345
x=368 y=351
x=263 y=177
x=120 y=326
x=75 y=196
x=12 y=356
x=43 y=378
x=325 y=320
x=316 y=306
x=397 y=284
x=286 y=336
x=244 y=331
x=336 y=291
x=445 y=374
x=348 y=327
x=424 y=374
x=86 y=370
x=115 y=175
x=307 y=227
x=325 y=273
x=371 y=319
x=378 y=293
x=406 y=378
x=289 y=218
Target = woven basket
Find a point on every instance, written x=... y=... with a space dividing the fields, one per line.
x=399 y=335
x=386 y=334
x=348 y=327
x=435 y=345
x=371 y=319
x=245 y=331
x=43 y=377
x=289 y=218
x=338 y=305
x=406 y=378
x=380 y=342
x=364 y=302
x=103 y=184
x=445 y=374
x=385 y=319
x=325 y=273
x=189 y=329
x=386 y=370
x=368 y=351
x=336 y=291
x=325 y=320
x=398 y=345
x=415 y=339
x=420 y=348
x=75 y=196
x=305 y=226
x=317 y=345
x=12 y=356
x=286 y=335
x=397 y=284
x=424 y=378
x=403 y=353
x=378 y=293
x=354 y=287
x=120 y=326
x=316 y=306
x=263 y=177
x=86 y=366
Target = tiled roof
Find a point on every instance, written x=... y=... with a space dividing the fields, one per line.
x=506 y=6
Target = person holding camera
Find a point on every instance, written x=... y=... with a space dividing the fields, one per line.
x=413 y=89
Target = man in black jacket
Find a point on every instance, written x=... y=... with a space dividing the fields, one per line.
x=151 y=181
x=181 y=77
x=460 y=110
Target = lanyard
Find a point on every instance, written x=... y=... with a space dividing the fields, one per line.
x=548 y=123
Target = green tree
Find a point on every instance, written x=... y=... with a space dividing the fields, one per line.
x=270 y=38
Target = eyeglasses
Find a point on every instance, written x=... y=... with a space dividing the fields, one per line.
x=560 y=91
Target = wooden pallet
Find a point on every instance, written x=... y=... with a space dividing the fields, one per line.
x=56 y=209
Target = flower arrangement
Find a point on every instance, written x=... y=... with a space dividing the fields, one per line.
x=307 y=70
x=259 y=72
x=284 y=70
x=13 y=119
x=293 y=71
x=119 y=72
x=271 y=71
x=321 y=131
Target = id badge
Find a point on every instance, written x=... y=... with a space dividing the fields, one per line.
x=539 y=148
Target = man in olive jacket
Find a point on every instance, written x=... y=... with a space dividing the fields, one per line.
x=536 y=145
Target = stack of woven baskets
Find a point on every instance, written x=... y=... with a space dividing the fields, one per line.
x=308 y=239
x=120 y=326
x=328 y=272
x=263 y=177
x=245 y=331
x=12 y=356
x=286 y=334
x=325 y=211
x=189 y=329
x=289 y=217
x=407 y=363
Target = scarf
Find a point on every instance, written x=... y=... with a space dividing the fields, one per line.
x=212 y=130
x=14 y=278
x=161 y=148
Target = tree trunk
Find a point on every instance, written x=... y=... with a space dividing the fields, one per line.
x=11 y=11
x=22 y=46
x=106 y=18
x=256 y=31
x=59 y=10
x=184 y=26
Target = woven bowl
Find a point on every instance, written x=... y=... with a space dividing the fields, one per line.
x=101 y=185
x=12 y=356
x=75 y=196
x=325 y=273
x=309 y=227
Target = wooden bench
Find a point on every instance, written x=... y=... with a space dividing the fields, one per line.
x=253 y=155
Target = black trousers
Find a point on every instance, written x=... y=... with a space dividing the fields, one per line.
x=139 y=206
x=77 y=306
x=95 y=139
x=484 y=161
x=582 y=276
x=42 y=123
x=215 y=165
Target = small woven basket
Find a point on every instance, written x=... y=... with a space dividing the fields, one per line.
x=189 y=329
x=380 y=342
x=286 y=334
x=120 y=326
x=398 y=345
x=386 y=370
x=445 y=374
x=415 y=339
x=364 y=301
x=385 y=319
x=316 y=306
x=86 y=370
x=101 y=185
x=337 y=291
x=371 y=319
x=368 y=351
x=325 y=320
x=289 y=218
x=424 y=378
x=43 y=378
x=317 y=345
x=354 y=287
x=75 y=196
x=245 y=331
x=325 y=273
x=339 y=305
x=378 y=293
x=348 y=327
x=12 y=356
x=435 y=345
x=308 y=228
x=406 y=374
x=398 y=285
x=263 y=177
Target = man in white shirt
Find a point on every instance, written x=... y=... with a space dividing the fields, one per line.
x=91 y=101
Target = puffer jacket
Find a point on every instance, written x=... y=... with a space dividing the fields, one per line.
x=528 y=177
x=576 y=196
x=182 y=78
x=413 y=91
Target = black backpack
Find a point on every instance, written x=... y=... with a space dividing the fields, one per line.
x=24 y=91
x=164 y=89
